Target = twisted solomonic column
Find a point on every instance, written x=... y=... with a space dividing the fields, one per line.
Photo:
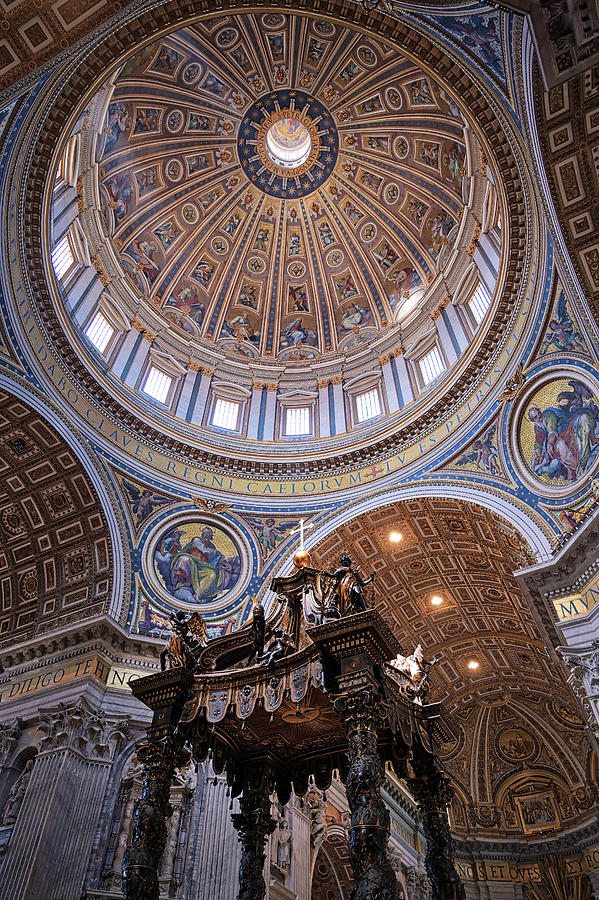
x=253 y=822
x=433 y=793
x=160 y=759
x=362 y=713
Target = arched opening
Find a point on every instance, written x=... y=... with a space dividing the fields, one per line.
x=444 y=579
x=331 y=874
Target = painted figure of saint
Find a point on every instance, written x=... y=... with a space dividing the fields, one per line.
x=566 y=435
x=199 y=571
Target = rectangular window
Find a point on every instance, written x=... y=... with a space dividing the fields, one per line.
x=297 y=420
x=225 y=414
x=479 y=303
x=431 y=366
x=62 y=257
x=368 y=405
x=99 y=332
x=157 y=384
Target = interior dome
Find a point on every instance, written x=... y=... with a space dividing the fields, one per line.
x=278 y=185
x=284 y=191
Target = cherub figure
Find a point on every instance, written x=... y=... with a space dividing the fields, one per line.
x=143 y=500
x=270 y=533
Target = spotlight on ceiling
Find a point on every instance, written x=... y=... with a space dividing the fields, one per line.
x=473 y=664
x=436 y=600
x=395 y=537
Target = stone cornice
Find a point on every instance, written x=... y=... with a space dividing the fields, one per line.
x=528 y=851
x=103 y=636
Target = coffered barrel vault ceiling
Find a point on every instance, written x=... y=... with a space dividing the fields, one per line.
x=262 y=260
x=55 y=553
x=519 y=735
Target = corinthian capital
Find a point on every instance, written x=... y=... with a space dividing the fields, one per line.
x=79 y=727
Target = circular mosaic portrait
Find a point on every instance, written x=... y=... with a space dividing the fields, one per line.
x=558 y=432
x=516 y=744
x=196 y=562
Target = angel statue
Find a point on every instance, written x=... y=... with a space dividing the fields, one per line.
x=416 y=667
x=187 y=637
x=347 y=596
x=279 y=646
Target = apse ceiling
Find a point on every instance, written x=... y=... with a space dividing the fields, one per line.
x=447 y=583
x=279 y=185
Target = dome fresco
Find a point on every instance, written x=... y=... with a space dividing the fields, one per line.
x=280 y=186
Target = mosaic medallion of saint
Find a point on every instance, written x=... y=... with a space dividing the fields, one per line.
x=197 y=562
x=516 y=744
x=559 y=432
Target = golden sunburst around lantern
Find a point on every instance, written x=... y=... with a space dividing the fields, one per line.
x=306 y=127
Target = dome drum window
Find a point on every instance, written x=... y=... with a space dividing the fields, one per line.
x=63 y=259
x=479 y=303
x=99 y=331
x=431 y=366
x=368 y=405
x=365 y=396
x=297 y=421
x=160 y=374
x=297 y=414
x=227 y=407
x=225 y=414
x=157 y=384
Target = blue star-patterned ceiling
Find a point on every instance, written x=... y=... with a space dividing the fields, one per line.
x=258 y=259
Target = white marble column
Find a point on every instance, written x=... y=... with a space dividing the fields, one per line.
x=491 y=250
x=199 y=406
x=216 y=871
x=64 y=211
x=488 y=276
x=83 y=293
x=270 y=410
x=301 y=873
x=455 y=321
x=445 y=339
x=126 y=349
x=254 y=414
x=186 y=391
x=403 y=376
x=139 y=357
x=583 y=663
x=51 y=842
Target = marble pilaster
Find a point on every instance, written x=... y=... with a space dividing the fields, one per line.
x=339 y=405
x=216 y=869
x=62 y=804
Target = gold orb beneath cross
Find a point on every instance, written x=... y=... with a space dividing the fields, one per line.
x=301 y=558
